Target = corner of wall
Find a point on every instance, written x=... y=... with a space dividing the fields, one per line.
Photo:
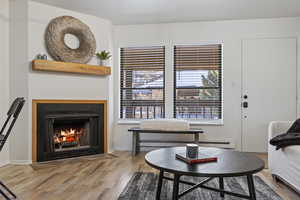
x=4 y=75
x=18 y=76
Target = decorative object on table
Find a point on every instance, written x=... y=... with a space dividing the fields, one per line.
x=192 y=155
x=140 y=186
x=103 y=56
x=56 y=31
x=192 y=150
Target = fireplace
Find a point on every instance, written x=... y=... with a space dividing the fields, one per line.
x=65 y=130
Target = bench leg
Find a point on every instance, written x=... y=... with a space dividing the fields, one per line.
x=134 y=134
x=135 y=143
x=196 y=138
x=138 y=148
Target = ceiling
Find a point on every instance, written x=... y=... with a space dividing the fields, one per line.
x=165 y=11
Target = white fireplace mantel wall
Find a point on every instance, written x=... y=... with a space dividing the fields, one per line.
x=43 y=85
x=23 y=35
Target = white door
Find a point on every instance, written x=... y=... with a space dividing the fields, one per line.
x=269 y=86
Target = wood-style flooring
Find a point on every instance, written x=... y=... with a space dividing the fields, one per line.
x=90 y=178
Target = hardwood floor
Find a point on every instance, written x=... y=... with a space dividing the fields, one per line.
x=90 y=178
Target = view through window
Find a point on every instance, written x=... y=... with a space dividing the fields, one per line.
x=198 y=82
x=142 y=82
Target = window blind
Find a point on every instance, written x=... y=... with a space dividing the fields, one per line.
x=198 y=81
x=142 y=82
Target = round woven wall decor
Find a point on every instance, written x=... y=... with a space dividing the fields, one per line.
x=55 y=40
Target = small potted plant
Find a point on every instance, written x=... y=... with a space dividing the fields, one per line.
x=103 y=57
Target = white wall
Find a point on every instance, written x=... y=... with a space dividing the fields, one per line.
x=59 y=85
x=231 y=34
x=16 y=78
x=43 y=85
x=18 y=75
x=4 y=68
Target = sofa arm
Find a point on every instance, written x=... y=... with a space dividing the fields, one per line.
x=278 y=127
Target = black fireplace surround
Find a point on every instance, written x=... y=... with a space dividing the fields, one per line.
x=69 y=130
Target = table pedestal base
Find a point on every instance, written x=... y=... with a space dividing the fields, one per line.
x=176 y=181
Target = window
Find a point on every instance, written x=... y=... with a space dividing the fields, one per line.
x=142 y=82
x=198 y=82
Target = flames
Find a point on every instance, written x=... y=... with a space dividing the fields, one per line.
x=68 y=135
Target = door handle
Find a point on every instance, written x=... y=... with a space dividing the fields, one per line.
x=245 y=104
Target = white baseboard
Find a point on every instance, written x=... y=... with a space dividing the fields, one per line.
x=4 y=162
x=232 y=145
x=20 y=162
x=122 y=149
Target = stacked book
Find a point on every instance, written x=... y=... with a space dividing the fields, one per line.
x=200 y=158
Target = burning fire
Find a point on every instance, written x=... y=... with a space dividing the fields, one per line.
x=68 y=135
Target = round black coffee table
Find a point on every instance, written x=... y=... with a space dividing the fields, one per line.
x=229 y=164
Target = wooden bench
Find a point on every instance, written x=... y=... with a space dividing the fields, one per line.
x=136 y=141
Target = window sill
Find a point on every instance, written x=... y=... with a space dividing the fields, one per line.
x=128 y=122
x=192 y=122
x=209 y=122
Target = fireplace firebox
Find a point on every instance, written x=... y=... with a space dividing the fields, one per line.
x=69 y=130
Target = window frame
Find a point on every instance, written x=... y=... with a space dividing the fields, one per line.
x=136 y=120
x=220 y=86
x=168 y=76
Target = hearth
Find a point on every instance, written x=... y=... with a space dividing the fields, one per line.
x=67 y=130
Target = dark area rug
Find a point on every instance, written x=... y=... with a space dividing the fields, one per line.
x=143 y=186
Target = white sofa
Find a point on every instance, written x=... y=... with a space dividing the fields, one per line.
x=284 y=163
